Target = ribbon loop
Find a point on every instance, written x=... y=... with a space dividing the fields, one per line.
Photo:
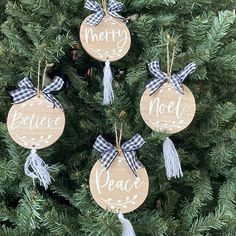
x=109 y=152
x=133 y=144
x=113 y=8
x=26 y=91
x=162 y=77
x=56 y=85
x=92 y=6
x=25 y=83
x=189 y=69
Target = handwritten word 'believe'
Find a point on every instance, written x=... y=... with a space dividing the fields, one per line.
x=103 y=180
x=119 y=36
x=159 y=108
x=33 y=121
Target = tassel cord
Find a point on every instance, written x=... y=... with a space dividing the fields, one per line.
x=108 y=94
x=36 y=168
x=172 y=162
x=127 y=228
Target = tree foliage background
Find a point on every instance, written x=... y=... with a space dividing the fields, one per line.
x=200 y=203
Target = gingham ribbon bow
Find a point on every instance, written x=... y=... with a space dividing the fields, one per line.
x=113 y=7
x=26 y=91
x=161 y=77
x=110 y=152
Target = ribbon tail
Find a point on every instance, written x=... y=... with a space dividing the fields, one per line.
x=129 y=149
x=133 y=162
x=116 y=15
x=176 y=81
x=108 y=157
x=53 y=100
x=155 y=85
x=56 y=85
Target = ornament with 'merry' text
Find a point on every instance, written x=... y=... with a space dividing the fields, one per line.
x=118 y=189
x=35 y=123
x=167 y=110
x=110 y=40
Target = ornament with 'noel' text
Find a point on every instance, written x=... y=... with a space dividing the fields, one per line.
x=119 y=182
x=168 y=105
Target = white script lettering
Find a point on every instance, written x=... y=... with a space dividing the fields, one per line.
x=159 y=108
x=103 y=180
x=33 y=121
x=119 y=36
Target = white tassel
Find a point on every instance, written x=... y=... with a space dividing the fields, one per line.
x=127 y=226
x=36 y=168
x=172 y=162
x=108 y=95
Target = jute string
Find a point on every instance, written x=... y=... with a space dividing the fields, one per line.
x=170 y=62
x=104 y=5
x=118 y=138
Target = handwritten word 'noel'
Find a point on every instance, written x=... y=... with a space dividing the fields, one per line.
x=158 y=107
x=33 y=121
x=104 y=181
x=119 y=36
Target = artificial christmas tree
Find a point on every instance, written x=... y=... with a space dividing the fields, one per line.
x=200 y=203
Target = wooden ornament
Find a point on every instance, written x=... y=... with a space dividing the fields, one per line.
x=110 y=40
x=118 y=189
x=167 y=110
x=35 y=123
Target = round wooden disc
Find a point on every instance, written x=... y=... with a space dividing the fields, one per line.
x=110 y=40
x=35 y=123
x=168 y=110
x=117 y=188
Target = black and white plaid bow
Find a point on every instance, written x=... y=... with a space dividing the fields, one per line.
x=26 y=91
x=113 y=7
x=110 y=152
x=161 y=77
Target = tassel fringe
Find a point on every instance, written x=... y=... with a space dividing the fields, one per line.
x=172 y=162
x=127 y=226
x=108 y=94
x=36 y=168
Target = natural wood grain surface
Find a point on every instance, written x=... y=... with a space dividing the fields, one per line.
x=35 y=123
x=110 y=40
x=117 y=188
x=167 y=110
